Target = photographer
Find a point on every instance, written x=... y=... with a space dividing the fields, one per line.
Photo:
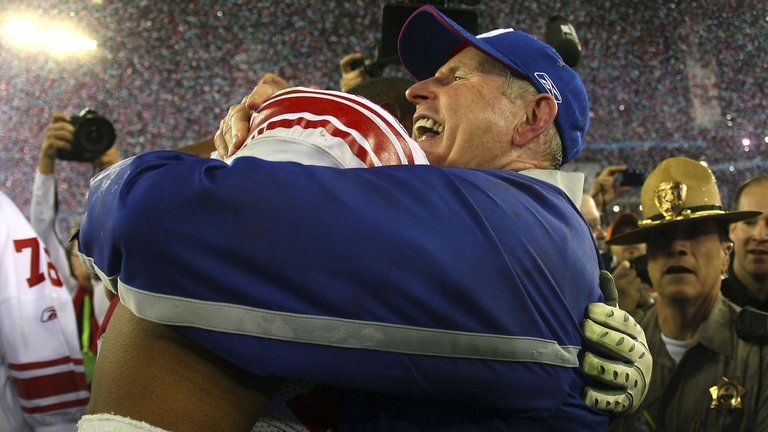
x=628 y=265
x=80 y=284
x=604 y=189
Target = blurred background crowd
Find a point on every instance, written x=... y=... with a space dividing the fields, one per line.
x=665 y=78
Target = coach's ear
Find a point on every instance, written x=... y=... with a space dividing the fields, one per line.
x=540 y=113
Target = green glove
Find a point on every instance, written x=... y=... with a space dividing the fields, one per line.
x=620 y=360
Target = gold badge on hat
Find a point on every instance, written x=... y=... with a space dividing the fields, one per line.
x=726 y=396
x=670 y=198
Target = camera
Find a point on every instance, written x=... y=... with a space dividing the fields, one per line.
x=632 y=178
x=640 y=266
x=94 y=135
x=752 y=325
x=393 y=17
x=561 y=35
x=373 y=70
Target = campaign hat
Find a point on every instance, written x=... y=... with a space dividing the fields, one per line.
x=679 y=190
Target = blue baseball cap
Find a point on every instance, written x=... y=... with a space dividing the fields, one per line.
x=429 y=39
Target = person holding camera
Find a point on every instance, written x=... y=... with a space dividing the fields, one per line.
x=604 y=190
x=70 y=137
x=628 y=265
x=631 y=288
x=353 y=71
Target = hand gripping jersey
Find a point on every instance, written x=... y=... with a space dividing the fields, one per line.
x=41 y=371
x=443 y=286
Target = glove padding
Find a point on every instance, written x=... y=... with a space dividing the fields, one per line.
x=624 y=362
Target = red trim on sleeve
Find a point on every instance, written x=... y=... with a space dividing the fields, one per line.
x=44 y=364
x=56 y=406
x=50 y=385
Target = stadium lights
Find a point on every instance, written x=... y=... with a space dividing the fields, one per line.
x=41 y=36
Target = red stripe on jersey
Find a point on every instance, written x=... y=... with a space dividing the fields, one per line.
x=50 y=385
x=394 y=125
x=359 y=151
x=44 y=364
x=351 y=115
x=56 y=406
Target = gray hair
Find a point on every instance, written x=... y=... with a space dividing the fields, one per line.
x=516 y=89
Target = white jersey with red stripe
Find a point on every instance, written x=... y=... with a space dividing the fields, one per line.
x=330 y=128
x=41 y=367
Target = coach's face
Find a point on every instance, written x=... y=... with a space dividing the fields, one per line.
x=462 y=118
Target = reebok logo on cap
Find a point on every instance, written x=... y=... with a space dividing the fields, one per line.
x=549 y=86
x=495 y=32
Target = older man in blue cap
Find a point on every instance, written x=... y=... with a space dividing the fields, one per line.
x=441 y=298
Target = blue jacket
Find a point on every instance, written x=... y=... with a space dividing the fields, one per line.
x=446 y=286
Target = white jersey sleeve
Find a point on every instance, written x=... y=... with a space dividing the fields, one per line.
x=41 y=372
x=43 y=219
x=42 y=216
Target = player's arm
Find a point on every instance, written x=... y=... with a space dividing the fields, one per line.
x=298 y=234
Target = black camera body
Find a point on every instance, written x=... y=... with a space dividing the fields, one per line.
x=640 y=265
x=94 y=135
x=752 y=325
x=632 y=178
x=393 y=17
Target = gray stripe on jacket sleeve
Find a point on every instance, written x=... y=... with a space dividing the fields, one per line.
x=347 y=333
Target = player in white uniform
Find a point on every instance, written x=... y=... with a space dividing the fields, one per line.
x=41 y=369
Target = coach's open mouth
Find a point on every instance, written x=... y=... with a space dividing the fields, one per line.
x=426 y=127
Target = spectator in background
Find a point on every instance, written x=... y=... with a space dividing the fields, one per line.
x=604 y=189
x=705 y=375
x=352 y=71
x=628 y=265
x=90 y=298
x=625 y=221
x=42 y=383
x=594 y=218
x=630 y=287
x=747 y=282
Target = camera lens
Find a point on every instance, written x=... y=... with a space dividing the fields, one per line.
x=95 y=135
